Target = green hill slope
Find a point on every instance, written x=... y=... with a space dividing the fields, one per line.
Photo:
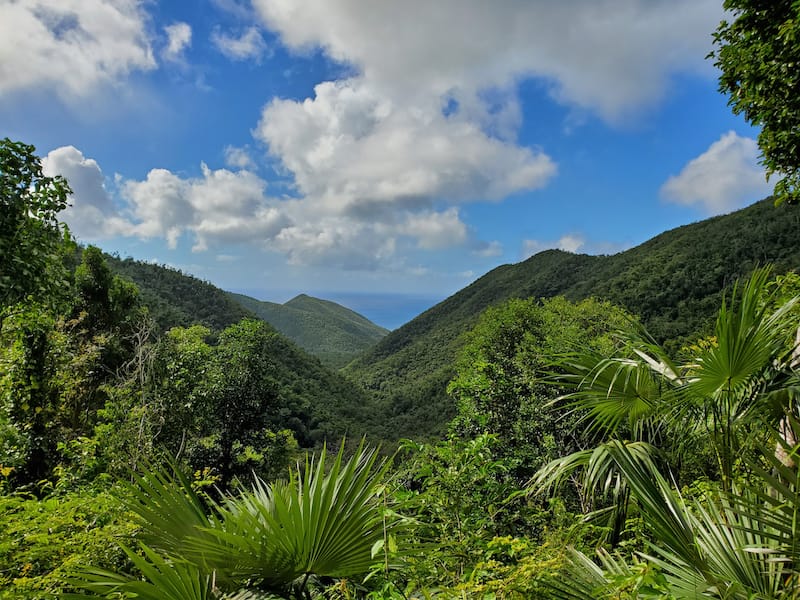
x=333 y=405
x=673 y=282
x=178 y=299
x=333 y=333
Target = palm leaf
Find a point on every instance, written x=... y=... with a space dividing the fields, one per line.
x=725 y=547
x=316 y=523
x=628 y=390
x=167 y=508
x=598 y=465
x=610 y=392
x=748 y=339
x=163 y=579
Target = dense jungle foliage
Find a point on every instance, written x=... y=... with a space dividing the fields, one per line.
x=614 y=427
x=584 y=459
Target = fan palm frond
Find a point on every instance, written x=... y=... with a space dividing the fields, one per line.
x=316 y=523
x=599 y=478
x=271 y=538
x=750 y=338
x=162 y=578
x=729 y=546
x=611 y=392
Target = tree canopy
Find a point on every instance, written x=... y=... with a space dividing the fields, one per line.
x=758 y=52
x=31 y=237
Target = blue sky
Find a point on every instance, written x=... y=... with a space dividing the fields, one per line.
x=353 y=149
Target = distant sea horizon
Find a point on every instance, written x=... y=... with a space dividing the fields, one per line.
x=387 y=310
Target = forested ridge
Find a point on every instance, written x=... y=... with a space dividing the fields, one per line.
x=177 y=299
x=673 y=283
x=331 y=332
x=322 y=328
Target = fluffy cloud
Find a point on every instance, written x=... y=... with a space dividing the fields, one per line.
x=389 y=171
x=336 y=243
x=223 y=207
x=179 y=38
x=70 y=46
x=159 y=205
x=434 y=231
x=568 y=243
x=610 y=56
x=238 y=158
x=91 y=215
x=249 y=45
x=220 y=207
x=428 y=117
x=723 y=178
x=353 y=151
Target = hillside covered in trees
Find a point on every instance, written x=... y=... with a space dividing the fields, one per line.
x=673 y=283
x=324 y=329
x=333 y=333
x=177 y=299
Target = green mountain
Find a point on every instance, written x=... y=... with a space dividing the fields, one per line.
x=177 y=299
x=673 y=282
x=334 y=405
x=329 y=331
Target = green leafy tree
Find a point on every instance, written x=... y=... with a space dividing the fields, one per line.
x=30 y=393
x=61 y=372
x=503 y=382
x=758 y=52
x=32 y=241
x=247 y=429
x=183 y=359
x=221 y=407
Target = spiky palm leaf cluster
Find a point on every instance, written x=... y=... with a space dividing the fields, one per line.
x=739 y=391
x=267 y=541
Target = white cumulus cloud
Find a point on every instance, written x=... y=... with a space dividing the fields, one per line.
x=223 y=207
x=428 y=115
x=70 y=46
x=91 y=215
x=723 y=178
x=434 y=231
x=353 y=151
x=220 y=207
x=610 y=56
x=179 y=38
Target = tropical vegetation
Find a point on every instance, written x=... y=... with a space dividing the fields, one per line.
x=577 y=427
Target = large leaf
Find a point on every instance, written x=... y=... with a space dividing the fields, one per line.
x=729 y=546
x=750 y=337
x=315 y=524
x=163 y=579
